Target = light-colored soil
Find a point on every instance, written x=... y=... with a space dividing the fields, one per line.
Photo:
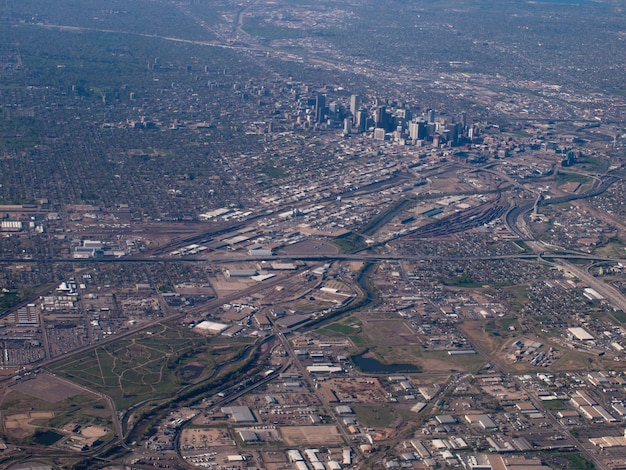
x=311 y=435
x=19 y=424
x=94 y=431
x=47 y=388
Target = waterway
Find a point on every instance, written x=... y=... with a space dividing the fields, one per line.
x=47 y=438
x=565 y=2
x=373 y=366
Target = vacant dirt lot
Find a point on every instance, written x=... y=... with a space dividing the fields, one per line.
x=48 y=388
x=311 y=435
x=19 y=424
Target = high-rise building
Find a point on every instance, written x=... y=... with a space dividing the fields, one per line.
x=430 y=129
x=334 y=111
x=431 y=115
x=361 y=120
x=380 y=117
x=355 y=102
x=347 y=126
x=453 y=132
x=379 y=133
x=417 y=130
x=320 y=103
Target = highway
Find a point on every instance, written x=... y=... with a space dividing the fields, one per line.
x=360 y=255
x=611 y=294
x=514 y=218
x=114 y=414
x=455 y=223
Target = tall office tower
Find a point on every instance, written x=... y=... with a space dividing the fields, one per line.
x=320 y=103
x=380 y=117
x=355 y=102
x=417 y=130
x=452 y=130
x=404 y=114
x=431 y=115
x=464 y=120
x=430 y=129
x=347 y=126
x=459 y=131
x=361 y=120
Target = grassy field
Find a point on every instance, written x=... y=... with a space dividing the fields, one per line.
x=350 y=328
x=519 y=296
x=613 y=247
x=563 y=178
x=24 y=413
x=149 y=365
x=569 y=461
x=392 y=341
x=375 y=416
x=483 y=333
x=573 y=360
x=440 y=361
x=342 y=329
x=347 y=327
x=396 y=343
x=620 y=316
x=554 y=405
x=350 y=243
x=274 y=172
x=18 y=133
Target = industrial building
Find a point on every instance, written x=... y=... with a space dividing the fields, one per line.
x=239 y=414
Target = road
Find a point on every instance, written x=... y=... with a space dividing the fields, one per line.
x=538 y=405
x=362 y=255
x=515 y=217
x=307 y=378
x=611 y=294
x=114 y=414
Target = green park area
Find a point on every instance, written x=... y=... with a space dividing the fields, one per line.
x=149 y=365
x=391 y=346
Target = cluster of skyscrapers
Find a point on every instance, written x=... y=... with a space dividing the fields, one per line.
x=391 y=122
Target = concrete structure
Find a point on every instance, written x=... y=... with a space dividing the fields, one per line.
x=418 y=407
x=580 y=334
x=344 y=410
x=241 y=272
x=592 y=294
x=211 y=326
x=322 y=369
x=248 y=436
x=261 y=253
x=294 y=455
x=239 y=414
x=483 y=421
